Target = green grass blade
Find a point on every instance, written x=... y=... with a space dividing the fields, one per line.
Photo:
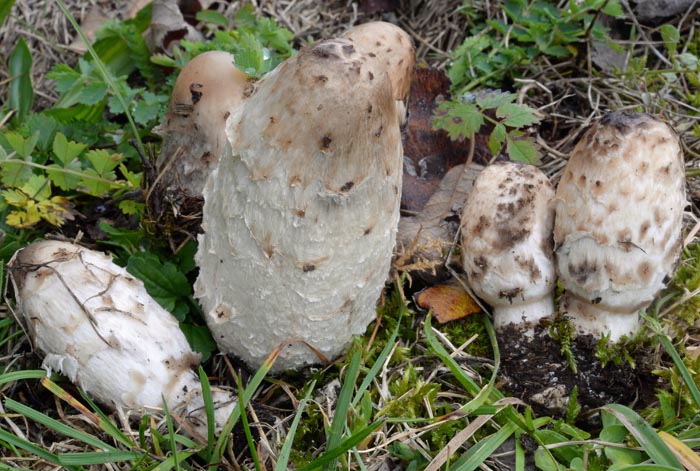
x=246 y=430
x=347 y=444
x=97 y=457
x=5 y=8
x=170 y=462
x=340 y=416
x=28 y=446
x=21 y=96
x=283 y=457
x=480 y=452
x=107 y=425
x=55 y=425
x=209 y=410
x=171 y=433
x=372 y=373
x=21 y=375
x=645 y=435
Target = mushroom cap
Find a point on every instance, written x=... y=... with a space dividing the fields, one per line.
x=392 y=47
x=300 y=218
x=206 y=91
x=96 y=324
x=507 y=249
x=619 y=208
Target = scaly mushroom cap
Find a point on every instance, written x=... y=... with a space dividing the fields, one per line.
x=619 y=209
x=300 y=218
x=392 y=47
x=507 y=249
x=206 y=91
x=96 y=324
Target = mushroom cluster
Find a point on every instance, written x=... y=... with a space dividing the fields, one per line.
x=615 y=225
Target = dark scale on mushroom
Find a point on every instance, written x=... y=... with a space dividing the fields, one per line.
x=196 y=94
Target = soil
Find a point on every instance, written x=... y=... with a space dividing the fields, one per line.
x=538 y=373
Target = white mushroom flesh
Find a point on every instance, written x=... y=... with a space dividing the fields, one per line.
x=619 y=210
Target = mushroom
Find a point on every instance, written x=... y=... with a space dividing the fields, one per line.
x=95 y=323
x=619 y=209
x=300 y=218
x=507 y=249
x=206 y=91
x=393 y=48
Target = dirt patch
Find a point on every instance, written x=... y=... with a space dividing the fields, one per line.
x=537 y=372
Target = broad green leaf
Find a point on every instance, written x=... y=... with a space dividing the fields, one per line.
x=103 y=162
x=131 y=207
x=37 y=187
x=522 y=150
x=460 y=120
x=64 y=77
x=14 y=173
x=23 y=147
x=494 y=99
x=162 y=280
x=200 y=339
x=688 y=60
x=21 y=96
x=613 y=8
x=213 y=17
x=497 y=138
x=670 y=36
x=249 y=56
x=517 y=116
x=66 y=150
x=65 y=176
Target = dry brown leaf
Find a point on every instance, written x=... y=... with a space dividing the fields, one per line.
x=448 y=302
x=168 y=25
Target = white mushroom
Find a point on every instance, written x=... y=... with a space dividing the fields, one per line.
x=96 y=324
x=206 y=91
x=300 y=218
x=619 y=209
x=507 y=249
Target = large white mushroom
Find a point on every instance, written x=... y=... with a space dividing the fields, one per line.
x=619 y=209
x=95 y=323
x=206 y=92
x=507 y=248
x=300 y=218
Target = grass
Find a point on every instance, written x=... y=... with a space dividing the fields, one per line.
x=409 y=392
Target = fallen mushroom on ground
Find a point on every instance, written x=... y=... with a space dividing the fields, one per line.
x=207 y=90
x=507 y=249
x=300 y=217
x=96 y=324
x=617 y=233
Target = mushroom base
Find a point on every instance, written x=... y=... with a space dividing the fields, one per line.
x=524 y=316
x=594 y=319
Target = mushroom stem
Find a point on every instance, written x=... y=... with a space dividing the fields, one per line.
x=591 y=319
x=527 y=314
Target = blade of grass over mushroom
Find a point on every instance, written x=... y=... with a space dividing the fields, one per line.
x=342 y=407
x=208 y=409
x=109 y=79
x=655 y=326
x=286 y=450
x=55 y=425
x=246 y=429
x=232 y=420
x=645 y=435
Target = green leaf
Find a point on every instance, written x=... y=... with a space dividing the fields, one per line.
x=213 y=17
x=102 y=161
x=497 y=138
x=494 y=99
x=670 y=36
x=162 y=280
x=21 y=96
x=517 y=116
x=283 y=457
x=522 y=150
x=64 y=77
x=645 y=435
x=614 y=8
x=65 y=176
x=37 y=188
x=249 y=56
x=460 y=120
x=200 y=339
x=66 y=150
x=5 y=8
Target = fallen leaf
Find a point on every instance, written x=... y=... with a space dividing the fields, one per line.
x=689 y=459
x=448 y=302
x=168 y=26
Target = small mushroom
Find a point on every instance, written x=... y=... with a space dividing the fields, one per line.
x=507 y=249
x=207 y=90
x=95 y=323
x=300 y=218
x=619 y=209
